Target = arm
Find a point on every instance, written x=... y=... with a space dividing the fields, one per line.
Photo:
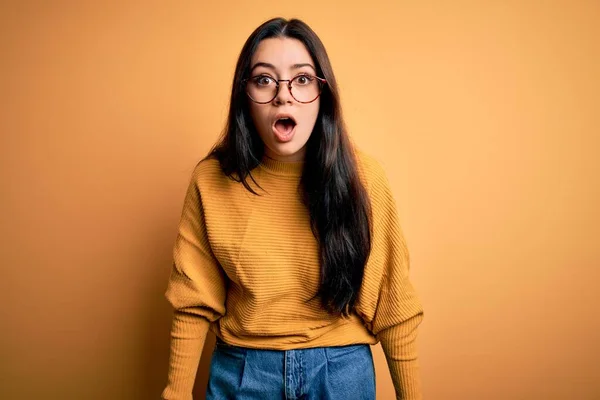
x=389 y=304
x=399 y=342
x=196 y=290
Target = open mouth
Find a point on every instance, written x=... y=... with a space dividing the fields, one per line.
x=285 y=125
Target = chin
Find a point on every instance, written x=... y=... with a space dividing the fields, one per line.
x=286 y=151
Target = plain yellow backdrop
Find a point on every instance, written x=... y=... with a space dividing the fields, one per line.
x=485 y=115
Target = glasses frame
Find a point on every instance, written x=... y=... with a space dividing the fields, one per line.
x=321 y=81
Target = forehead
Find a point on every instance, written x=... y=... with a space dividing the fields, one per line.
x=282 y=53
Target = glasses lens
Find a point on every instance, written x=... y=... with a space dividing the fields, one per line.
x=261 y=89
x=305 y=88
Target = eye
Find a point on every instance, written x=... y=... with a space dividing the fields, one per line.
x=303 y=80
x=263 y=80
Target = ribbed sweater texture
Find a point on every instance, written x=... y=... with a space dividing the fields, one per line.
x=246 y=267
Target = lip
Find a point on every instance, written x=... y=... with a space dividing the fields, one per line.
x=284 y=115
x=289 y=136
x=284 y=138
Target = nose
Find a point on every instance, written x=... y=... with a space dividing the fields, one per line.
x=283 y=94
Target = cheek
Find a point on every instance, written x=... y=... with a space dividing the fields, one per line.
x=317 y=107
x=258 y=117
x=313 y=114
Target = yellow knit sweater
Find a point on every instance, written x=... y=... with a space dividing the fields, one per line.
x=245 y=266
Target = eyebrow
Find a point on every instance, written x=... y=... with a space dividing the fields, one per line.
x=271 y=66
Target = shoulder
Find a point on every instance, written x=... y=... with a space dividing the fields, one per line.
x=371 y=172
x=207 y=181
x=208 y=166
x=208 y=174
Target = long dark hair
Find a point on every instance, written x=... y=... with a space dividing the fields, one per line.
x=332 y=191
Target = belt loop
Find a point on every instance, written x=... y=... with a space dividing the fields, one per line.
x=285 y=376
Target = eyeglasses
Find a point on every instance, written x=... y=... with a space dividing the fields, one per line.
x=304 y=88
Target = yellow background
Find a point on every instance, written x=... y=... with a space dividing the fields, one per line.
x=485 y=115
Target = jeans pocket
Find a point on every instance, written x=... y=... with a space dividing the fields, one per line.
x=351 y=372
x=227 y=368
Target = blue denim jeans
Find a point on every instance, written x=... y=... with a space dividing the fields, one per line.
x=322 y=373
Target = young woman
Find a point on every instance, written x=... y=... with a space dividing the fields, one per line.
x=289 y=247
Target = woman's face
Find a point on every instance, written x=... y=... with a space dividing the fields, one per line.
x=283 y=58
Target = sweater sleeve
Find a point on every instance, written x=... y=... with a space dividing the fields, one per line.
x=196 y=290
x=388 y=302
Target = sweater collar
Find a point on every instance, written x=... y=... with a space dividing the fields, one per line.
x=282 y=168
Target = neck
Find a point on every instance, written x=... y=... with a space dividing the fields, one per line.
x=296 y=157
